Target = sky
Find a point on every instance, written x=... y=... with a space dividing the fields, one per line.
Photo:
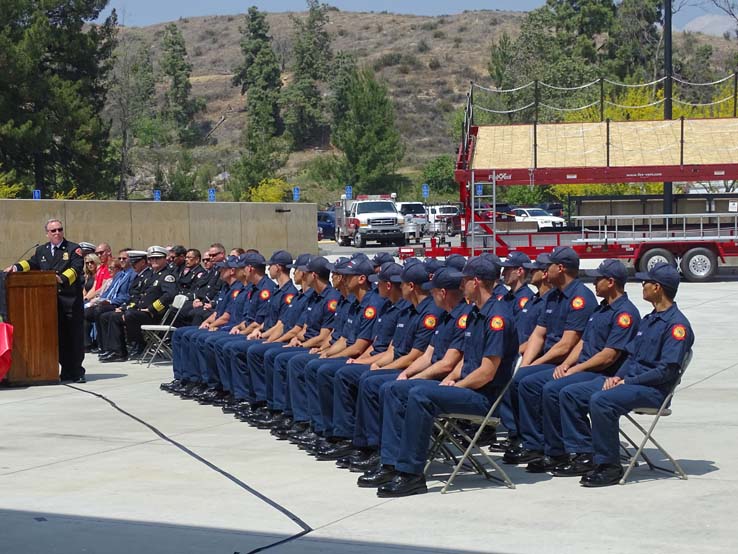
x=146 y=12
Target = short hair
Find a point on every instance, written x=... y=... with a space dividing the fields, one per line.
x=52 y=220
x=218 y=246
x=179 y=250
x=239 y=250
x=126 y=249
x=196 y=252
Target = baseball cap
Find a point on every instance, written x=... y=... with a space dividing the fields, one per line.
x=565 y=256
x=432 y=265
x=515 y=259
x=231 y=262
x=387 y=271
x=319 y=265
x=456 y=261
x=382 y=258
x=301 y=260
x=542 y=262
x=356 y=266
x=156 y=252
x=444 y=278
x=413 y=273
x=280 y=257
x=252 y=258
x=662 y=273
x=610 y=269
x=481 y=267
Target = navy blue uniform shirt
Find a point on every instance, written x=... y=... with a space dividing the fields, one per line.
x=566 y=310
x=658 y=350
x=278 y=303
x=258 y=306
x=296 y=308
x=528 y=317
x=420 y=328
x=610 y=326
x=386 y=325
x=450 y=331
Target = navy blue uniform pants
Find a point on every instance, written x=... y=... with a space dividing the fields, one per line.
x=605 y=408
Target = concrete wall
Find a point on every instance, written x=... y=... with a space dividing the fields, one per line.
x=264 y=226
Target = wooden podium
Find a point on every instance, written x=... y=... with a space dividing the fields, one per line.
x=32 y=310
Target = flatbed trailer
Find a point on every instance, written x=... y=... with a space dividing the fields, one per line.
x=536 y=154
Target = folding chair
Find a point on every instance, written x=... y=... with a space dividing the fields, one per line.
x=664 y=410
x=156 y=335
x=449 y=428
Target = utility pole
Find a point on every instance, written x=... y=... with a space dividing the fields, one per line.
x=668 y=193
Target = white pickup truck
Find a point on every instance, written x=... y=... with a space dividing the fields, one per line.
x=369 y=218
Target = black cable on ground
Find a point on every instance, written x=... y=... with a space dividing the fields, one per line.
x=299 y=522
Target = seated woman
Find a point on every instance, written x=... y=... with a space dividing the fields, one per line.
x=92 y=262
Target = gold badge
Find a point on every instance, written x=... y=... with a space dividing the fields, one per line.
x=65 y=256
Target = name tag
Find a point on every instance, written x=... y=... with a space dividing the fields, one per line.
x=549 y=311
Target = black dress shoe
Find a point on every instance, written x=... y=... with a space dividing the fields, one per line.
x=274 y=420
x=380 y=476
x=136 y=350
x=180 y=388
x=603 y=475
x=223 y=399
x=105 y=355
x=521 y=456
x=338 y=450
x=503 y=445
x=404 y=484
x=114 y=358
x=579 y=464
x=168 y=386
x=367 y=464
x=546 y=464
x=305 y=437
x=80 y=379
x=193 y=389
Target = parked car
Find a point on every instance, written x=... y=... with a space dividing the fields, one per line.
x=327 y=223
x=485 y=212
x=444 y=218
x=554 y=208
x=414 y=212
x=544 y=219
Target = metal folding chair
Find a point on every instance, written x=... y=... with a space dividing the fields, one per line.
x=450 y=426
x=658 y=413
x=156 y=335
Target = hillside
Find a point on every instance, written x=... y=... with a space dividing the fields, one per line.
x=441 y=55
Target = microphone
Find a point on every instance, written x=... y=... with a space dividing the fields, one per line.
x=24 y=253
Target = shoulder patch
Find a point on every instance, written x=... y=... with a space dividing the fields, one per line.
x=332 y=305
x=430 y=321
x=78 y=251
x=522 y=302
x=625 y=320
x=461 y=322
x=200 y=274
x=497 y=323
x=577 y=303
x=288 y=298
x=235 y=293
x=370 y=312
x=500 y=297
x=169 y=279
x=265 y=294
x=679 y=332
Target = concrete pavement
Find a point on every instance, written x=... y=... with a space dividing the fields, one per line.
x=166 y=475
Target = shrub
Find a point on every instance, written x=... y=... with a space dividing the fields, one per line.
x=423 y=46
x=439 y=35
x=434 y=63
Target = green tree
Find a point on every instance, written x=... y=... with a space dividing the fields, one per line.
x=439 y=174
x=180 y=107
x=302 y=102
x=367 y=134
x=131 y=103
x=259 y=77
x=180 y=180
x=258 y=161
x=53 y=65
x=343 y=71
x=8 y=187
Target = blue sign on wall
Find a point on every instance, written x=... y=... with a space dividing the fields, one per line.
x=426 y=190
x=157 y=195
x=36 y=194
x=211 y=195
x=296 y=194
x=479 y=191
x=349 y=192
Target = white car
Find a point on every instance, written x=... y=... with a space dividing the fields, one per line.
x=544 y=219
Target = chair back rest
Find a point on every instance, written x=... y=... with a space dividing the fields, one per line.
x=179 y=301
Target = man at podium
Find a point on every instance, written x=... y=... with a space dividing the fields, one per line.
x=64 y=258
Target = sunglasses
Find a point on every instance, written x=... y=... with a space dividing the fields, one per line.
x=90 y=262
x=100 y=252
x=206 y=259
x=58 y=230
x=122 y=259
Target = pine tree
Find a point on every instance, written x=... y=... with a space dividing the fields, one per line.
x=52 y=91
x=367 y=134
x=180 y=107
x=302 y=103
